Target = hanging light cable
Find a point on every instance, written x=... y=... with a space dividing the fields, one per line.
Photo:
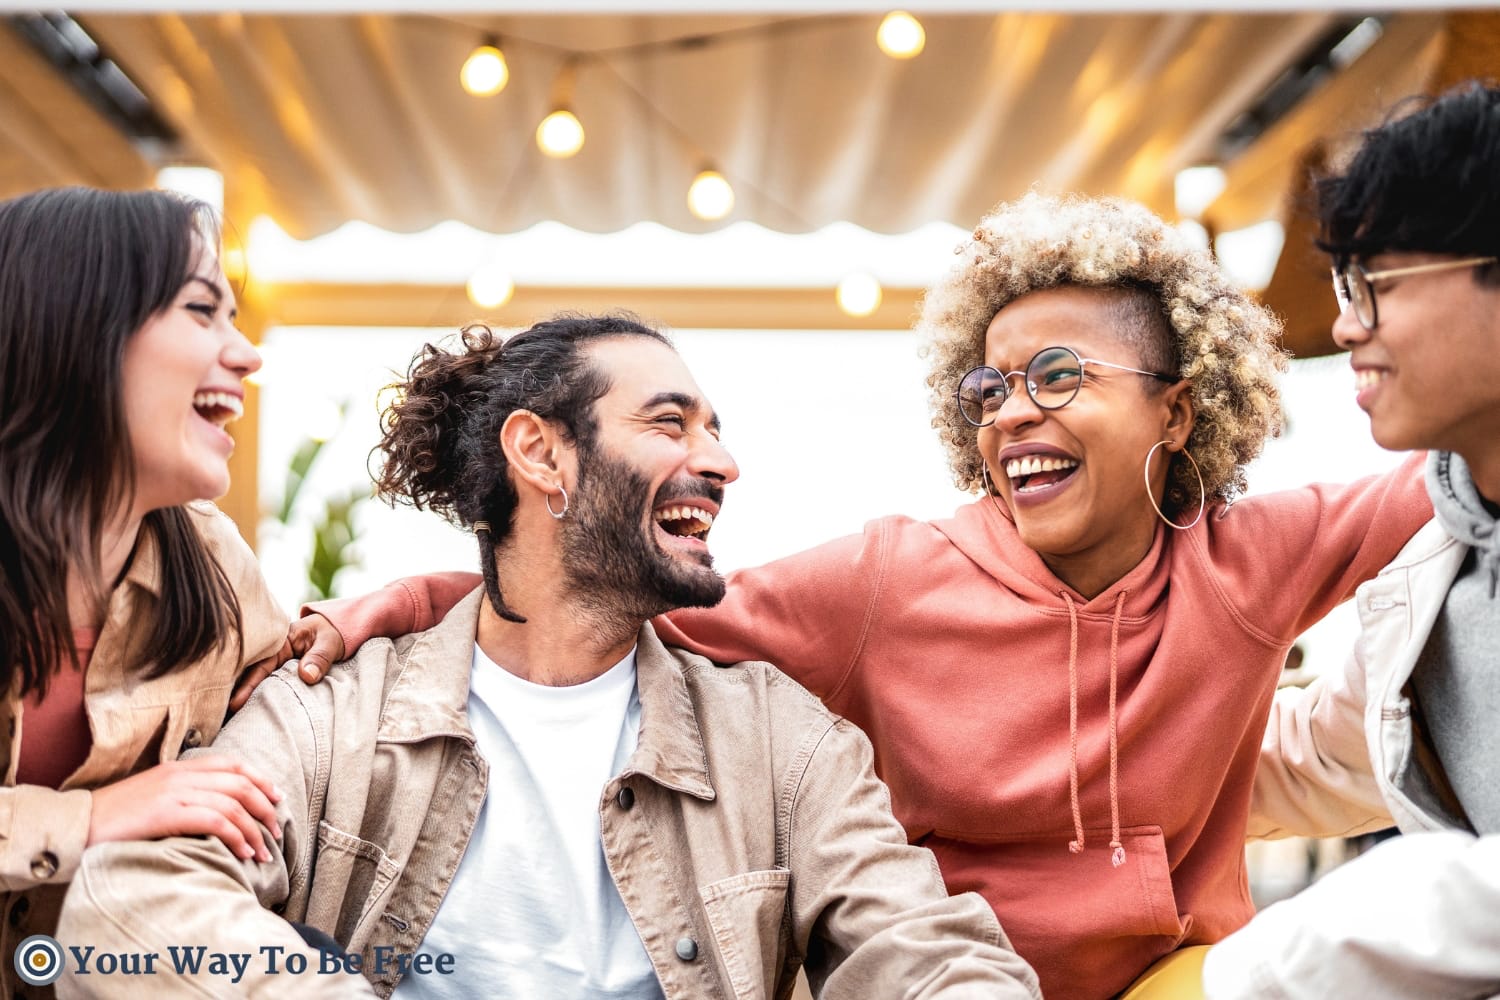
x=560 y=134
x=485 y=72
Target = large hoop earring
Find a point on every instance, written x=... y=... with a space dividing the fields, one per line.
x=984 y=472
x=1202 y=495
x=558 y=515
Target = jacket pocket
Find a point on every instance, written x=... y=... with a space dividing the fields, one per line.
x=349 y=878
x=747 y=914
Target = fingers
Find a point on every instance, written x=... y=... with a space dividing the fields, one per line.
x=218 y=815
x=210 y=763
x=251 y=679
x=317 y=644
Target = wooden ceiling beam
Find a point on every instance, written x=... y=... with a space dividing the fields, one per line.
x=406 y=305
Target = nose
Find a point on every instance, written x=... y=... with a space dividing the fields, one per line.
x=711 y=460
x=1348 y=331
x=238 y=354
x=1019 y=409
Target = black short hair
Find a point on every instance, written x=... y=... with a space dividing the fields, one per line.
x=1427 y=181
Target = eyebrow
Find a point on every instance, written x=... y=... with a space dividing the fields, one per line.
x=683 y=400
x=214 y=289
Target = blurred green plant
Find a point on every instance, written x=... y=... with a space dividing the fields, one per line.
x=334 y=532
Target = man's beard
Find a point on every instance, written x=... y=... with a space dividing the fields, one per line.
x=615 y=567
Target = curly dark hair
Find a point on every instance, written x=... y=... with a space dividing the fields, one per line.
x=1423 y=181
x=441 y=433
x=1221 y=341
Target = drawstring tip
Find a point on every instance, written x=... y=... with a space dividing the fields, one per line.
x=1075 y=846
x=1118 y=857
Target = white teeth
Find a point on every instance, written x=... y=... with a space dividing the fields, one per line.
x=1366 y=377
x=1030 y=466
x=219 y=401
x=681 y=513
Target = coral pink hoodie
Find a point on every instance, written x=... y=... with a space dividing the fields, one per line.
x=967 y=662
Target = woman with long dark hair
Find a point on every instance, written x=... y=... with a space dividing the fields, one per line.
x=128 y=607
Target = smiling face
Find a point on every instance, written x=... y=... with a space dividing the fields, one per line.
x=1072 y=477
x=649 y=485
x=1429 y=373
x=183 y=376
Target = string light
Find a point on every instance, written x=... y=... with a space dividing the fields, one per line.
x=560 y=134
x=710 y=197
x=490 y=287
x=485 y=72
x=859 y=294
x=900 y=35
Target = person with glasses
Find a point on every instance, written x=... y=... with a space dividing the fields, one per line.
x=1066 y=682
x=1410 y=728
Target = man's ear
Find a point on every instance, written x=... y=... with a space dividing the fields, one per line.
x=1178 y=400
x=531 y=445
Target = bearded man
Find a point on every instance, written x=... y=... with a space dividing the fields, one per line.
x=537 y=798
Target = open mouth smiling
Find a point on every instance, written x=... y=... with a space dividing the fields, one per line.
x=1036 y=472
x=684 y=520
x=218 y=408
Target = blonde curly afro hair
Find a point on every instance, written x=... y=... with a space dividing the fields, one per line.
x=1227 y=345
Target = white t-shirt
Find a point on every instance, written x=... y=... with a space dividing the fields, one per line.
x=532 y=912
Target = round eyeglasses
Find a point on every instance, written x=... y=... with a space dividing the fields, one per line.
x=1354 y=286
x=1052 y=379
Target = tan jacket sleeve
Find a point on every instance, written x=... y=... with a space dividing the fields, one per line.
x=147 y=896
x=42 y=835
x=1315 y=777
x=869 y=910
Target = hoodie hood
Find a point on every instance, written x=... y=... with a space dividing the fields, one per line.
x=1462 y=512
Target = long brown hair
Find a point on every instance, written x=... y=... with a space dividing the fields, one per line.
x=81 y=271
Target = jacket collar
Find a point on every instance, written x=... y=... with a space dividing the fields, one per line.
x=431 y=697
x=670 y=751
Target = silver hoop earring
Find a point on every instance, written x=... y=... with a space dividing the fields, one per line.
x=984 y=472
x=1202 y=496
x=557 y=515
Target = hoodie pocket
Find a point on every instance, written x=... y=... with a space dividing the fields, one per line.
x=748 y=915
x=1064 y=910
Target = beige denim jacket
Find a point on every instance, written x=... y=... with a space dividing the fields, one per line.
x=135 y=725
x=748 y=835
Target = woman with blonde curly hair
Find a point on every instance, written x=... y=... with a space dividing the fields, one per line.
x=1066 y=683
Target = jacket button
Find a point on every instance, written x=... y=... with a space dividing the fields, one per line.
x=18 y=911
x=687 y=949
x=626 y=799
x=192 y=741
x=44 y=865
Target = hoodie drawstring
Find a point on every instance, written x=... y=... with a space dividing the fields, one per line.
x=1117 y=848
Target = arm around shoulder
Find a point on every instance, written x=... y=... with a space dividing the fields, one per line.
x=884 y=922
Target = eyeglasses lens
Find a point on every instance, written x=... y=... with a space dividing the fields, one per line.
x=1053 y=377
x=980 y=394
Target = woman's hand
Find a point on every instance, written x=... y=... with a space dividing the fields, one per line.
x=204 y=796
x=311 y=639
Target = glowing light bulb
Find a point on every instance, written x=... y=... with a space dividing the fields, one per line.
x=560 y=134
x=485 y=73
x=490 y=287
x=900 y=35
x=858 y=294
x=710 y=197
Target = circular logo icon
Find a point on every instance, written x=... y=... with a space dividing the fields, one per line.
x=39 y=960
